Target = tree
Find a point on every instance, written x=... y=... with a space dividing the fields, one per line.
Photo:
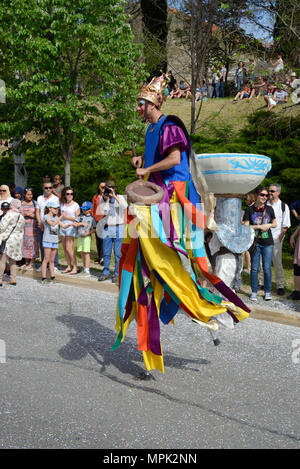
x=201 y=23
x=283 y=24
x=70 y=73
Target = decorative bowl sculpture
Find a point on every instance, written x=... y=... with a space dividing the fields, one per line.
x=232 y=173
x=229 y=176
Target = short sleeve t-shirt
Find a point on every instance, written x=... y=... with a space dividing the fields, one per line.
x=42 y=202
x=280 y=95
x=89 y=220
x=50 y=232
x=70 y=211
x=261 y=217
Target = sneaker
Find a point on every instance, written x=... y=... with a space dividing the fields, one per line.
x=44 y=282
x=253 y=297
x=56 y=270
x=268 y=297
x=84 y=274
x=294 y=296
x=114 y=279
x=38 y=269
x=52 y=281
x=103 y=277
x=280 y=291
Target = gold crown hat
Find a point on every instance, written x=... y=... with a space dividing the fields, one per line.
x=155 y=90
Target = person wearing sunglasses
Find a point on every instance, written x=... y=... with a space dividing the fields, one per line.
x=113 y=206
x=5 y=195
x=282 y=213
x=70 y=211
x=41 y=203
x=261 y=218
x=30 y=239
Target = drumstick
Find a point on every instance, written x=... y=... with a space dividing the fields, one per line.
x=134 y=154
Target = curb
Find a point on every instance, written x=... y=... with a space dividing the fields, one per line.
x=280 y=317
x=74 y=281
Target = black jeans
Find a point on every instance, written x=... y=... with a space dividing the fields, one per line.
x=99 y=243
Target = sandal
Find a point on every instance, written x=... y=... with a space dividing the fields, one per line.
x=73 y=273
x=66 y=271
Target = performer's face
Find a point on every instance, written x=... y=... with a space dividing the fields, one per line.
x=141 y=107
x=145 y=109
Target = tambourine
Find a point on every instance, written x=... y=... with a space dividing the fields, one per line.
x=144 y=193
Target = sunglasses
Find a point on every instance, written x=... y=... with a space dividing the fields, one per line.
x=264 y=195
x=49 y=187
x=272 y=192
x=2 y=190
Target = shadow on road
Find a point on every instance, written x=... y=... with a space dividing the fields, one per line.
x=89 y=337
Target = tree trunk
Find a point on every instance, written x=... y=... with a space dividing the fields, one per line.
x=67 y=171
x=20 y=171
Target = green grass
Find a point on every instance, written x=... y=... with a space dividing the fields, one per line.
x=221 y=112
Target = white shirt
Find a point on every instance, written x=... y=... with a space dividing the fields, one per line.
x=283 y=219
x=70 y=212
x=42 y=202
x=279 y=66
x=114 y=210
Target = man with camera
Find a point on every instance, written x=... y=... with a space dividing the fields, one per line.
x=113 y=207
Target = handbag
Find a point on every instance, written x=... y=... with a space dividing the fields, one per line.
x=4 y=241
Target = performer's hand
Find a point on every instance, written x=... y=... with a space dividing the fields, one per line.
x=141 y=172
x=137 y=161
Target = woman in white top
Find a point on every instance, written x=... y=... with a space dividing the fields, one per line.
x=5 y=195
x=69 y=211
x=278 y=64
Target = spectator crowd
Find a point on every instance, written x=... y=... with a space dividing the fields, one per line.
x=31 y=228
x=274 y=85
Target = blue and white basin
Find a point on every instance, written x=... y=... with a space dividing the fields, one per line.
x=233 y=173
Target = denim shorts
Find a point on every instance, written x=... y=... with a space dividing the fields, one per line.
x=50 y=245
x=71 y=231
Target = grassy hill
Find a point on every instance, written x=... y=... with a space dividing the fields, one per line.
x=222 y=112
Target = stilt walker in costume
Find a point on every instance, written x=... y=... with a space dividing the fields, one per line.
x=163 y=256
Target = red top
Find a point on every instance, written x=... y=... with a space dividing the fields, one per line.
x=96 y=207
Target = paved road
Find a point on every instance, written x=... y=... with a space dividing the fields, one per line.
x=62 y=387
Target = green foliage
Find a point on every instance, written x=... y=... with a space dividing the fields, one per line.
x=267 y=134
x=76 y=75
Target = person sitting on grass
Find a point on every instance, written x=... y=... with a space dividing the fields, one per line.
x=258 y=89
x=279 y=97
x=86 y=225
x=244 y=93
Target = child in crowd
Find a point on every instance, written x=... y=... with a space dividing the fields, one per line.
x=50 y=238
x=86 y=226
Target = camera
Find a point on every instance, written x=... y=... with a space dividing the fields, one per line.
x=107 y=191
